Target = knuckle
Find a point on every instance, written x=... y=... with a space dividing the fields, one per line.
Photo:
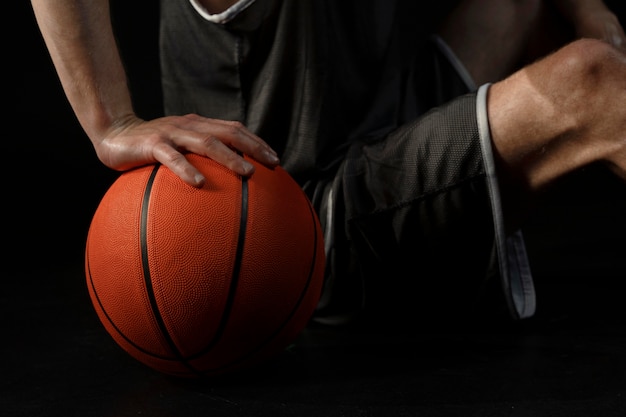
x=165 y=152
x=235 y=128
x=189 y=117
x=210 y=142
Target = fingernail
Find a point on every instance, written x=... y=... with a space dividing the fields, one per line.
x=614 y=36
x=199 y=179
x=272 y=157
x=247 y=166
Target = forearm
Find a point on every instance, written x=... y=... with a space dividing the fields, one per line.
x=80 y=40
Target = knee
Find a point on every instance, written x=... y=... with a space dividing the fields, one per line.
x=594 y=93
x=591 y=62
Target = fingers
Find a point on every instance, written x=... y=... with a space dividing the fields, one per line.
x=601 y=23
x=614 y=34
x=212 y=136
x=228 y=128
x=607 y=28
x=223 y=141
x=166 y=140
x=178 y=164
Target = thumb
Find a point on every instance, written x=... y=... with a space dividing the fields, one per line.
x=614 y=35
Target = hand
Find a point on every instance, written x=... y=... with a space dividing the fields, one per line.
x=600 y=23
x=593 y=19
x=135 y=142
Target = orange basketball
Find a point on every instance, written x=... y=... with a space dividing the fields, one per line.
x=203 y=281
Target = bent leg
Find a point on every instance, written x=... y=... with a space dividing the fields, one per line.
x=558 y=115
x=545 y=119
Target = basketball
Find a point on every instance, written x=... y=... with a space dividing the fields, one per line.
x=204 y=281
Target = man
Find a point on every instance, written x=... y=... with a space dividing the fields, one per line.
x=422 y=154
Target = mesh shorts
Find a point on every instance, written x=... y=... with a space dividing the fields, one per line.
x=414 y=227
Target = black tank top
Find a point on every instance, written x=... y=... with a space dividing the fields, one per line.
x=308 y=76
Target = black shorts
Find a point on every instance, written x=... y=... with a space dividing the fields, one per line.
x=414 y=227
x=382 y=127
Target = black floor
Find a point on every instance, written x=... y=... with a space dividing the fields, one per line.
x=570 y=360
x=58 y=361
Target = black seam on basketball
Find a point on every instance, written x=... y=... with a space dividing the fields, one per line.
x=146 y=273
x=109 y=319
x=95 y=293
x=296 y=306
x=234 y=280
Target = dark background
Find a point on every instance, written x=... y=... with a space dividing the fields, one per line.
x=56 y=359
x=56 y=180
